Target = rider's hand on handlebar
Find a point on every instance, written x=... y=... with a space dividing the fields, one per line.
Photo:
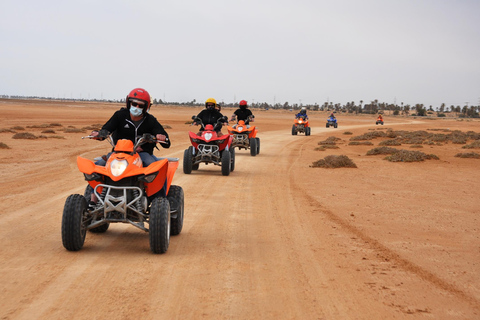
x=161 y=137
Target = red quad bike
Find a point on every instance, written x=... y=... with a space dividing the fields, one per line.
x=245 y=138
x=209 y=148
x=126 y=192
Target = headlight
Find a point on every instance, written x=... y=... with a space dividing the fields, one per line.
x=117 y=167
x=240 y=128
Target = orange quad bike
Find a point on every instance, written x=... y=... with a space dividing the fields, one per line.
x=245 y=137
x=301 y=124
x=126 y=192
x=379 y=121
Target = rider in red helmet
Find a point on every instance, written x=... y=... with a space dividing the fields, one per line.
x=243 y=113
x=132 y=122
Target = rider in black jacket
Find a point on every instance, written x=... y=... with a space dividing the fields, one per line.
x=210 y=115
x=132 y=122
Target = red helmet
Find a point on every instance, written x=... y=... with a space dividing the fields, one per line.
x=139 y=95
x=243 y=103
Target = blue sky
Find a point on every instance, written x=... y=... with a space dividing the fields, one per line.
x=298 y=51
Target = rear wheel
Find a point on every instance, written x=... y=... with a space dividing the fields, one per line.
x=73 y=224
x=104 y=227
x=226 y=162
x=188 y=160
x=176 y=200
x=253 y=147
x=258 y=145
x=159 y=230
x=232 y=159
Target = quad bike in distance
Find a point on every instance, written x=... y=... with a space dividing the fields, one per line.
x=126 y=192
x=379 y=121
x=332 y=122
x=245 y=137
x=209 y=148
x=301 y=125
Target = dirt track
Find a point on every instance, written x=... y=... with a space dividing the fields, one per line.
x=276 y=239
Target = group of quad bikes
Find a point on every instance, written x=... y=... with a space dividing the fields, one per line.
x=128 y=192
x=209 y=148
x=145 y=197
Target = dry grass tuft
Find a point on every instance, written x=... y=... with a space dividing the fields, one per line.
x=409 y=156
x=73 y=130
x=48 y=131
x=24 y=135
x=325 y=147
x=381 y=150
x=333 y=162
x=360 y=143
x=369 y=136
x=348 y=132
x=166 y=126
x=472 y=155
x=416 y=146
x=474 y=145
x=329 y=141
x=57 y=137
x=3 y=146
x=7 y=130
x=390 y=142
x=18 y=128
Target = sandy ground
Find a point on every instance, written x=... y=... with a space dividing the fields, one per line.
x=277 y=239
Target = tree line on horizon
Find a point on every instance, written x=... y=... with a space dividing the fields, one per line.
x=373 y=107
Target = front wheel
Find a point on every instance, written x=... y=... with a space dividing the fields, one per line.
x=226 y=162
x=73 y=224
x=188 y=160
x=307 y=131
x=253 y=147
x=159 y=222
x=294 y=130
x=176 y=200
x=335 y=125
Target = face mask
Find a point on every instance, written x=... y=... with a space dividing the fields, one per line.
x=136 y=112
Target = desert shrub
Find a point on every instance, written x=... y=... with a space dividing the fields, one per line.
x=7 y=130
x=42 y=137
x=473 y=155
x=439 y=137
x=347 y=133
x=441 y=115
x=413 y=140
x=73 y=130
x=93 y=127
x=358 y=143
x=429 y=142
x=18 y=128
x=329 y=141
x=416 y=146
x=166 y=126
x=369 y=136
x=381 y=150
x=409 y=156
x=474 y=145
x=390 y=142
x=325 y=147
x=3 y=146
x=39 y=126
x=24 y=135
x=334 y=161
x=473 y=135
x=48 y=131
x=55 y=125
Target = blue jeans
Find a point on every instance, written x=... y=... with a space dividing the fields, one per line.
x=146 y=157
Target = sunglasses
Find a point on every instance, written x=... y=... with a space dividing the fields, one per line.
x=137 y=104
x=210 y=105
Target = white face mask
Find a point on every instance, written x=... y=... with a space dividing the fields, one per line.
x=136 y=112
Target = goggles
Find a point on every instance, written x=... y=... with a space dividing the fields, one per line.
x=136 y=103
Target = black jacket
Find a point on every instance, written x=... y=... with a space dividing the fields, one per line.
x=210 y=116
x=122 y=127
x=243 y=114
